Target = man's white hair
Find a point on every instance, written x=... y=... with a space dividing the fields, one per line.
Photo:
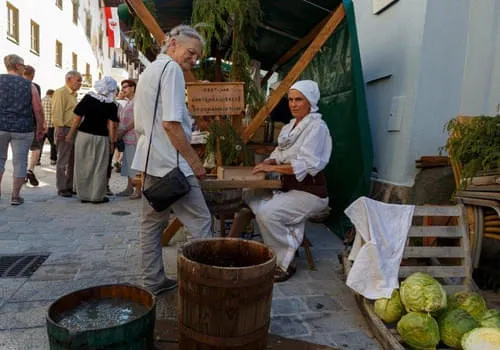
x=181 y=33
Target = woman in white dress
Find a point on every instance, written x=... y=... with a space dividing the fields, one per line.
x=303 y=151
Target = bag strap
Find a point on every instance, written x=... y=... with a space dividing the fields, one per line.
x=153 y=125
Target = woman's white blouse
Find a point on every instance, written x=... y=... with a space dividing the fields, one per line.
x=308 y=152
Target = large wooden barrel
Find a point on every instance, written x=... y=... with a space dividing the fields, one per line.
x=134 y=334
x=225 y=294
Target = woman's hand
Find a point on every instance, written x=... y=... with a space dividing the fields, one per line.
x=262 y=168
x=69 y=138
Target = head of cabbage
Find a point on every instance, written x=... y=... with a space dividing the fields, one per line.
x=453 y=325
x=491 y=318
x=481 y=339
x=389 y=310
x=419 y=330
x=421 y=292
x=471 y=302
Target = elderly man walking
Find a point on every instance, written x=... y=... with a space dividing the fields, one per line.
x=63 y=104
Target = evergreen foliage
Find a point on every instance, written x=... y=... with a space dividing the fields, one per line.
x=143 y=40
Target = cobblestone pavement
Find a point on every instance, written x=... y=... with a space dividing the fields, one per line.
x=92 y=244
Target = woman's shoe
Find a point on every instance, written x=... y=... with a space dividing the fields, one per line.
x=125 y=193
x=281 y=275
x=136 y=195
x=16 y=201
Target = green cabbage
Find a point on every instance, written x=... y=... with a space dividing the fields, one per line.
x=453 y=325
x=389 y=310
x=471 y=302
x=481 y=339
x=419 y=330
x=421 y=292
x=491 y=318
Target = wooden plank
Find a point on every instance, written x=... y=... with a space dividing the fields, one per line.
x=431 y=252
x=295 y=72
x=480 y=194
x=154 y=28
x=170 y=231
x=495 y=205
x=435 y=271
x=434 y=231
x=228 y=184
x=431 y=210
x=299 y=45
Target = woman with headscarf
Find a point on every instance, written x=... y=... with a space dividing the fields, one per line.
x=303 y=151
x=94 y=117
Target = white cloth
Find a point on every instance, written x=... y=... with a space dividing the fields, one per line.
x=307 y=147
x=281 y=220
x=310 y=89
x=171 y=107
x=105 y=89
x=381 y=233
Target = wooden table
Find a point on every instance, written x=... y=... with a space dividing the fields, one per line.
x=477 y=198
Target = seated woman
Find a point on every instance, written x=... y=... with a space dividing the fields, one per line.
x=303 y=151
x=93 y=116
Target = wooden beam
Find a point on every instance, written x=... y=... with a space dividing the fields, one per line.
x=154 y=28
x=295 y=72
x=147 y=19
x=294 y=50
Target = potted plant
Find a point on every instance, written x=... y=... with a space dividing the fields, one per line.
x=474 y=148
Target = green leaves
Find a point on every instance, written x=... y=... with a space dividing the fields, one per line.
x=475 y=145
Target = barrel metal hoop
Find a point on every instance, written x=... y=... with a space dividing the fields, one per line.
x=224 y=341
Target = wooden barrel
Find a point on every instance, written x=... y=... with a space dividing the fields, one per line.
x=135 y=334
x=225 y=294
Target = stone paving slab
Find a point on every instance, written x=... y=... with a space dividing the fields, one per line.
x=89 y=245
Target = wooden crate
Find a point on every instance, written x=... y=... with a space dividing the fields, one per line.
x=241 y=173
x=449 y=262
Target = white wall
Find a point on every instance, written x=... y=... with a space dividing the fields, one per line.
x=425 y=62
x=56 y=24
x=390 y=44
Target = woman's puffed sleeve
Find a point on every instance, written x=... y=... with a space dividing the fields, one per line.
x=314 y=153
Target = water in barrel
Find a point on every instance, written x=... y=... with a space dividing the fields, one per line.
x=101 y=313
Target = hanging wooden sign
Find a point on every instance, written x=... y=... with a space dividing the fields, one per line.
x=213 y=99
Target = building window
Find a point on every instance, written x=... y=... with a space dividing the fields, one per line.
x=100 y=39
x=75 y=11
x=59 y=3
x=12 y=23
x=35 y=37
x=75 y=61
x=88 y=26
x=59 y=51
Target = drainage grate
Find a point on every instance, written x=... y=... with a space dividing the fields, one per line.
x=20 y=265
x=121 y=213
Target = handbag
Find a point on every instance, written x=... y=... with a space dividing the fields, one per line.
x=164 y=191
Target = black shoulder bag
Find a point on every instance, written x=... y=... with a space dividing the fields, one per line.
x=164 y=192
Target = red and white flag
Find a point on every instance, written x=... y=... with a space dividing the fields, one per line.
x=112 y=26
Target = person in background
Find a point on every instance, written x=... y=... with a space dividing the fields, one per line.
x=36 y=145
x=94 y=140
x=170 y=147
x=19 y=100
x=126 y=134
x=303 y=151
x=47 y=108
x=63 y=104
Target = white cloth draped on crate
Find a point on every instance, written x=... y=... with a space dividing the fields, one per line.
x=381 y=233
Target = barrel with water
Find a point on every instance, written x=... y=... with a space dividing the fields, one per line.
x=118 y=316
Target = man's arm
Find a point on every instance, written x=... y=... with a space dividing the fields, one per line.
x=38 y=111
x=179 y=140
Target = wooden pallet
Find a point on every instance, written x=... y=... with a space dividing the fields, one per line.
x=448 y=260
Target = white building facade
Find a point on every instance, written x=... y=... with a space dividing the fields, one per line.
x=424 y=63
x=56 y=36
